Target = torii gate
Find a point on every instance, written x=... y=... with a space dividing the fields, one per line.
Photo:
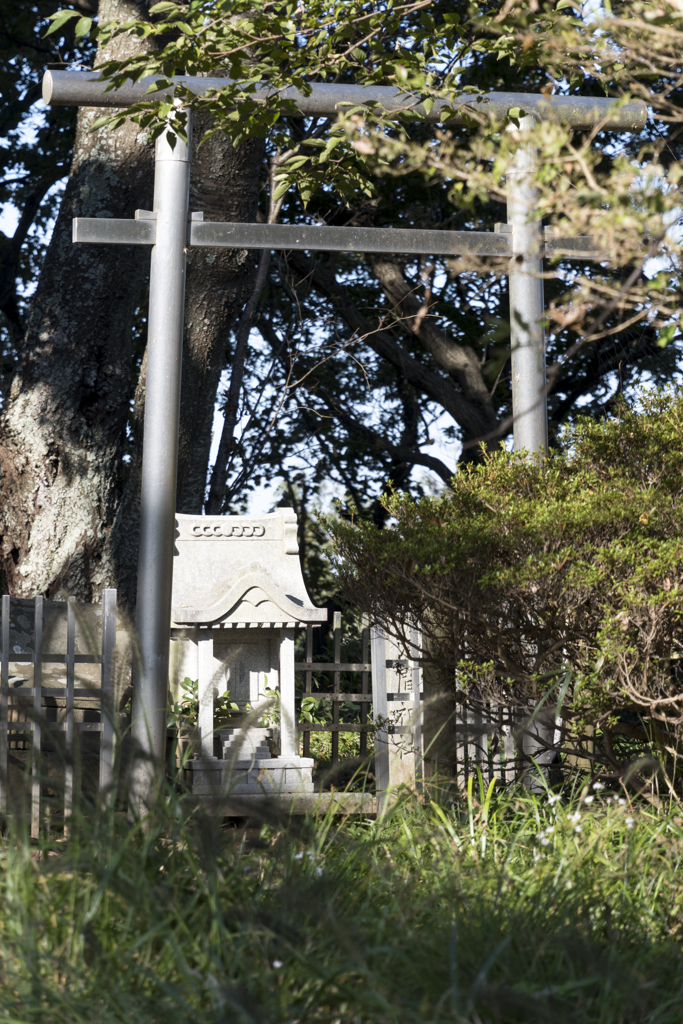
x=169 y=228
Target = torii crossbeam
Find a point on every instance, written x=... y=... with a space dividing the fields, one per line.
x=169 y=229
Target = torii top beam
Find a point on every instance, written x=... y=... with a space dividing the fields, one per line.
x=87 y=89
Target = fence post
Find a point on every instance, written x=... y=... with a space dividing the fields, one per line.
x=336 y=677
x=36 y=729
x=108 y=708
x=69 y=723
x=380 y=714
x=4 y=691
x=365 y=679
x=416 y=679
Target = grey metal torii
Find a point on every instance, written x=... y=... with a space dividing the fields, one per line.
x=170 y=228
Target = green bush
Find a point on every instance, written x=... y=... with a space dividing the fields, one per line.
x=559 y=579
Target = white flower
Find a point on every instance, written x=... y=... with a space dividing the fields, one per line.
x=588 y=799
x=598 y=785
x=537 y=856
x=277 y=964
x=574 y=818
x=630 y=822
x=553 y=798
x=577 y=828
x=621 y=802
x=549 y=830
x=545 y=841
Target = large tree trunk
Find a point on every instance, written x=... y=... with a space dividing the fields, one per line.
x=69 y=515
x=63 y=427
x=224 y=186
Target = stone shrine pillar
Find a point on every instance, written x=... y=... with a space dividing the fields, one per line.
x=238 y=594
x=397 y=710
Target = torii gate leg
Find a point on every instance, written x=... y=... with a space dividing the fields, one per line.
x=159 y=462
x=527 y=307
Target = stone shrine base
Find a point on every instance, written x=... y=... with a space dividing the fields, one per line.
x=249 y=780
x=269 y=776
x=241 y=789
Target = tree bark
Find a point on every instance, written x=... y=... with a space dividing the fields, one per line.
x=70 y=508
x=460 y=361
x=62 y=431
x=225 y=187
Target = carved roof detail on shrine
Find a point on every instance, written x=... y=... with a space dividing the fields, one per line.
x=239 y=571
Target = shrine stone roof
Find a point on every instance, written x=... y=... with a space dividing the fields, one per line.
x=240 y=571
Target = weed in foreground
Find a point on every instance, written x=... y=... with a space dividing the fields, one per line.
x=509 y=909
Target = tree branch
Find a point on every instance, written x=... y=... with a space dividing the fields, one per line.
x=372 y=438
x=460 y=361
x=466 y=413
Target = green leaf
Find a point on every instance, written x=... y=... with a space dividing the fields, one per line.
x=83 y=26
x=59 y=19
x=161 y=8
x=296 y=162
x=563 y=4
x=306 y=191
x=666 y=335
x=100 y=122
x=282 y=186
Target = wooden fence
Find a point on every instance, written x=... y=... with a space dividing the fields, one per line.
x=54 y=641
x=57 y=683
x=386 y=680
x=488 y=740
x=357 y=688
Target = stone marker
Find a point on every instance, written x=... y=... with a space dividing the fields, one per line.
x=397 y=711
x=238 y=594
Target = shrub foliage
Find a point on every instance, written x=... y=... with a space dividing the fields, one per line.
x=558 y=580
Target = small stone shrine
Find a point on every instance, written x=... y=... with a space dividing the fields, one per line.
x=238 y=594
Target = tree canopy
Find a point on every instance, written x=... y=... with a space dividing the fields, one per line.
x=447 y=321
x=356 y=370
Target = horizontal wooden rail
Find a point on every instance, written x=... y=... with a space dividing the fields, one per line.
x=335 y=727
x=344 y=666
x=55 y=691
x=28 y=658
x=395 y=730
x=345 y=698
x=331 y=666
x=54 y=726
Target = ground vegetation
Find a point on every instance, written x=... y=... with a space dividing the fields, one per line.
x=503 y=909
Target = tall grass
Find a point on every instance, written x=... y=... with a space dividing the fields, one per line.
x=498 y=909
